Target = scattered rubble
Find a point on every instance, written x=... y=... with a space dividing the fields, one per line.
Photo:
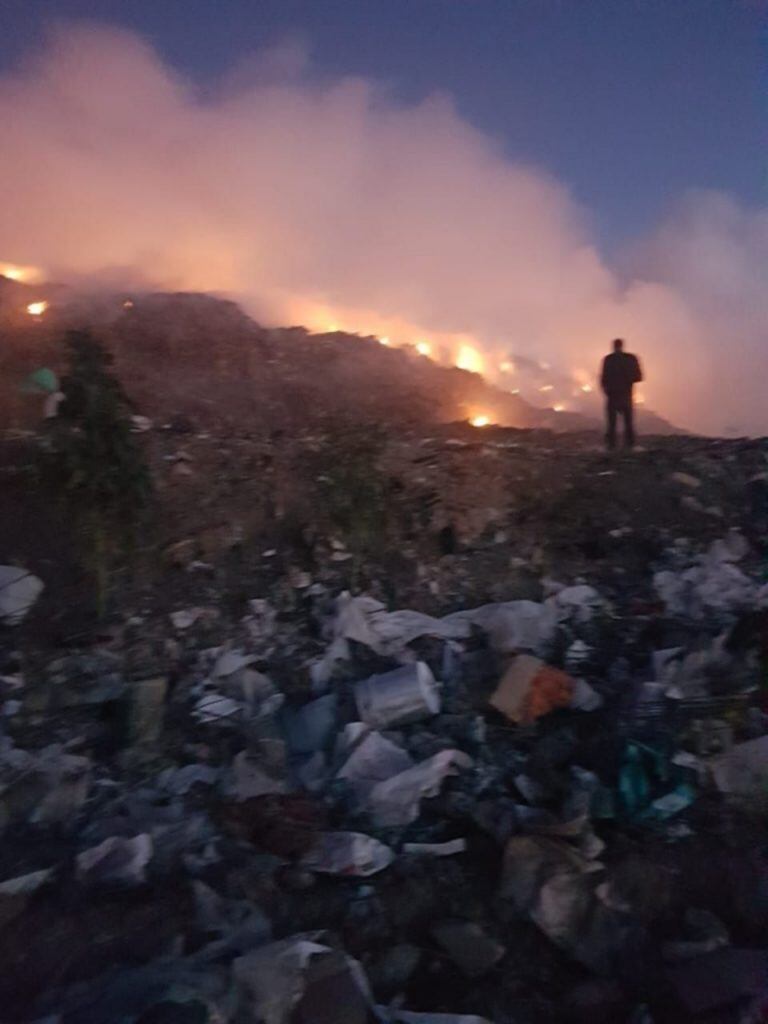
x=299 y=799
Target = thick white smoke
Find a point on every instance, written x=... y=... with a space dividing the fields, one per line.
x=325 y=203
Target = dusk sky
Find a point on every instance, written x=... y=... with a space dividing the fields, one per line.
x=628 y=102
x=502 y=183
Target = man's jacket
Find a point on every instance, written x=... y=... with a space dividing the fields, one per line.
x=620 y=371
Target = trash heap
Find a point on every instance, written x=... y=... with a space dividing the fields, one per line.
x=527 y=811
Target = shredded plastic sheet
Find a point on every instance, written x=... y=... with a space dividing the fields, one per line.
x=348 y=853
x=373 y=759
x=19 y=589
x=273 y=979
x=397 y=801
x=713 y=583
x=510 y=625
x=743 y=770
x=116 y=860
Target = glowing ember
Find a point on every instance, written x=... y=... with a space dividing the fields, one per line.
x=480 y=421
x=507 y=366
x=423 y=348
x=547 y=387
x=385 y=342
x=37 y=308
x=559 y=407
x=586 y=388
x=469 y=359
x=128 y=304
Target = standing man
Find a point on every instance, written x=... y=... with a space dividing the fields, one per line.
x=621 y=371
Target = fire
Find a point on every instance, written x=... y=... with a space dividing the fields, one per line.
x=14 y=272
x=385 y=342
x=469 y=359
x=480 y=421
x=583 y=378
x=37 y=308
x=423 y=348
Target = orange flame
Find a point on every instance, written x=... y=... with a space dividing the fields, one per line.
x=470 y=359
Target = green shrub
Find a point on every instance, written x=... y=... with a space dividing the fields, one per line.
x=98 y=465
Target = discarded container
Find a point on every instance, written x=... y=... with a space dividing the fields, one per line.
x=530 y=688
x=407 y=694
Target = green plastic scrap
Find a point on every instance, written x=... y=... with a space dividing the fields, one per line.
x=42 y=381
x=642 y=770
x=672 y=803
x=634 y=784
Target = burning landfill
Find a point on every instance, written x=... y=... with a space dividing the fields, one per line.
x=420 y=724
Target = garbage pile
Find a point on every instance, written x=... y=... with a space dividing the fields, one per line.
x=527 y=811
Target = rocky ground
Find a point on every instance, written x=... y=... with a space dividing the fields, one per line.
x=206 y=816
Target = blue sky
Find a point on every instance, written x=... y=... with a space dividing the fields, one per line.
x=628 y=102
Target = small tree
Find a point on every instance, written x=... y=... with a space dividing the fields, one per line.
x=97 y=463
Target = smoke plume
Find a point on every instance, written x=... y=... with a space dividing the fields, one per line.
x=325 y=203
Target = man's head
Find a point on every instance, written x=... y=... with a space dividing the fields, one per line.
x=618 y=344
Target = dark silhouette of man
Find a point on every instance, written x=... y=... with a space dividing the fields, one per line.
x=621 y=371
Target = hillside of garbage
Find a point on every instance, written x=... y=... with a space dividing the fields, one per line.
x=202 y=357
x=421 y=725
